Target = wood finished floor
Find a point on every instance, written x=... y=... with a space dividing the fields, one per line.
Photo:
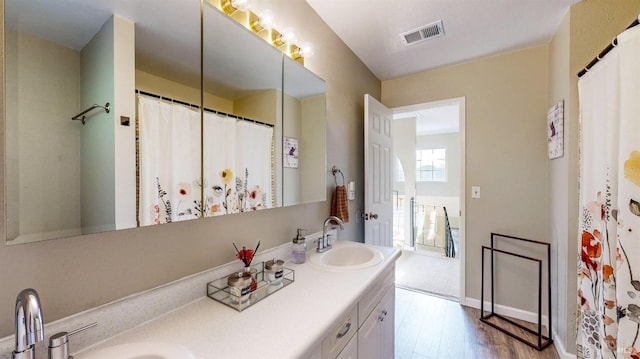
x=437 y=328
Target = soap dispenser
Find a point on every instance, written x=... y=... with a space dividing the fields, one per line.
x=299 y=254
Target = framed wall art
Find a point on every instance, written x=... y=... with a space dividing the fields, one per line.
x=555 y=130
x=290 y=151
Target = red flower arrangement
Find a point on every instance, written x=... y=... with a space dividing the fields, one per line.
x=246 y=255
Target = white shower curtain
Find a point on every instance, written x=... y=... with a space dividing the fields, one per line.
x=237 y=165
x=609 y=261
x=169 y=161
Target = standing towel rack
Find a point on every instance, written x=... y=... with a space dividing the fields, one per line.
x=335 y=170
x=83 y=118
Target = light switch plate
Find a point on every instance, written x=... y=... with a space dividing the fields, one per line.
x=475 y=192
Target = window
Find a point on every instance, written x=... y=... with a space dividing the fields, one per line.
x=431 y=165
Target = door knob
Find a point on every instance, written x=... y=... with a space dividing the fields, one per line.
x=368 y=216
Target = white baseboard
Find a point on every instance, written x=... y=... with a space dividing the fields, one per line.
x=526 y=316
x=508 y=311
x=522 y=315
x=560 y=348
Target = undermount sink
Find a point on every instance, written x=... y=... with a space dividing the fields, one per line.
x=140 y=350
x=346 y=256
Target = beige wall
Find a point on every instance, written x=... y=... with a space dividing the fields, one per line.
x=78 y=273
x=313 y=141
x=292 y=127
x=506 y=98
x=589 y=27
x=177 y=91
x=42 y=170
x=559 y=189
x=259 y=105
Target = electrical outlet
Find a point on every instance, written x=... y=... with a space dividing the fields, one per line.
x=475 y=192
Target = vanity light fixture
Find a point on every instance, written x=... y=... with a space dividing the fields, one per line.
x=263 y=25
x=305 y=50
x=288 y=36
x=295 y=52
x=262 y=22
x=254 y=23
x=276 y=38
x=231 y=6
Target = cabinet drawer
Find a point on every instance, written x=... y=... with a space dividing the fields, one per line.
x=340 y=334
x=375 y=294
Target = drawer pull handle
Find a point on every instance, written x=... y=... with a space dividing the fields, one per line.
x=384 y=314
x=344 y=331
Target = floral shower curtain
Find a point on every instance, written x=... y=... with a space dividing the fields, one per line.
x=609 y=261
x=169 y=161
x=238 y=165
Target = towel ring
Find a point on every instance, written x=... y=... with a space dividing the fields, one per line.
x=335 y=170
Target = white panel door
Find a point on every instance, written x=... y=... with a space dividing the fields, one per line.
x=378 y=210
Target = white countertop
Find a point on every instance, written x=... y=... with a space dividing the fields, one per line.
x=287 y=324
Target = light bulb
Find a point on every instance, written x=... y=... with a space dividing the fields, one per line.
x=266 y=20
x=288 y=35
x=241 y=5
x=306 y=49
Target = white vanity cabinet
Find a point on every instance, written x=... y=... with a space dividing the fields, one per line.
x=367 y=330
x=376 y=336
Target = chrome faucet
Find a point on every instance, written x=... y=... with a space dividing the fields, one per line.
x=29 y=324
x=323 y=243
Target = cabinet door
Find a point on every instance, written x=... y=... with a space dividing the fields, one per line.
x=369 y=343
x=387 y=324
x=351 y=350
x=376 y=337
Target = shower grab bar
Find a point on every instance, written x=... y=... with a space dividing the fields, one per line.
x=94 y=106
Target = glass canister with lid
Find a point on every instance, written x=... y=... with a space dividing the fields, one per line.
x=239 y=287
x=274 y=270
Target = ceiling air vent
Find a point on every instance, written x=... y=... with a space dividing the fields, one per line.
x=423 y=33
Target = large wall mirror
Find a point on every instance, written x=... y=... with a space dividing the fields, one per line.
x=137 y=156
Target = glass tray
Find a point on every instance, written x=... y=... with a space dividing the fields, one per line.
x=218 y=289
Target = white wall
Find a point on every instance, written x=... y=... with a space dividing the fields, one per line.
x=125 y=136
x=450 y=142
x=404 y=147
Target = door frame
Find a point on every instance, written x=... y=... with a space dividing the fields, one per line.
x=461 y=102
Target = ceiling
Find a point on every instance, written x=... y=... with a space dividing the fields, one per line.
x=472 y=29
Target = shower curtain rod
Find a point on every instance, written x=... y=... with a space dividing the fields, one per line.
x=206 y=109
x=606 y=50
